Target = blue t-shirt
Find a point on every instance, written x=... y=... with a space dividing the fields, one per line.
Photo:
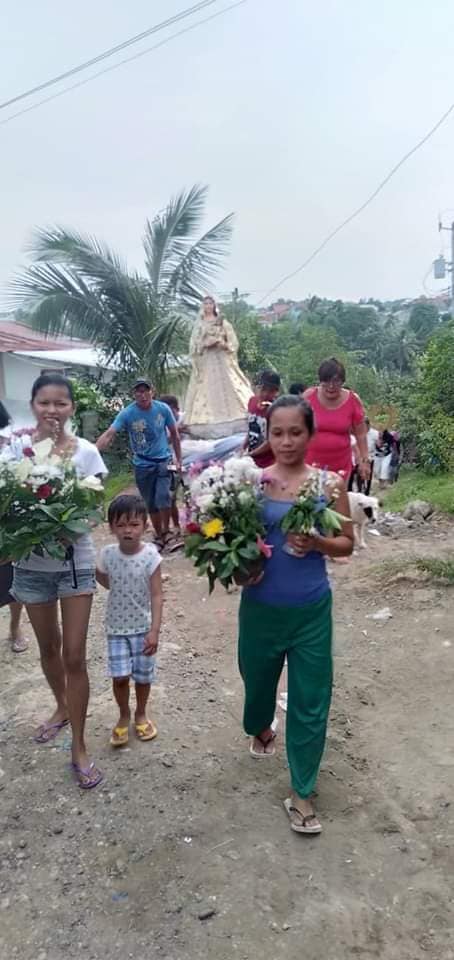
x=288 y=581
x=147 y=431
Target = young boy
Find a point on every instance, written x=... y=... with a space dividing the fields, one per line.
x=130 y=570
x=267 y=389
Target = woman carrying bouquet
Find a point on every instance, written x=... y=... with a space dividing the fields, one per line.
x=40 y=582
x=287 y=614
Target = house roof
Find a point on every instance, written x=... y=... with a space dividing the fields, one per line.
x=17 y=337
x=75 y=355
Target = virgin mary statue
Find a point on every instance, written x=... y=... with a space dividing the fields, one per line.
x=218 y=391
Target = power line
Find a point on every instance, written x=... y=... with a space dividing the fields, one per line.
x=109 y=53
x=363 y=206
x=136 y=56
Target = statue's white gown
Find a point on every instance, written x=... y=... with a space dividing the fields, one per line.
x=218 y=391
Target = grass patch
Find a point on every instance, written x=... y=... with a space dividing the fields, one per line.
x=414 y=484
x=408 y=568
x=117 y=482
x=437 y=569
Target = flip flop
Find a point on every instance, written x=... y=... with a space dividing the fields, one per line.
x=18 y=644
x=146 y=731
x=48 y=731
x=301 y=824
x=87 y=777
x=263 y=755
x=120 y=737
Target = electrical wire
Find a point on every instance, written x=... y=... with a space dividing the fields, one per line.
x=121 y=63
x=109 y=53
x=363 y=206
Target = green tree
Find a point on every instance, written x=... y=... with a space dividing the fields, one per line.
x=77 y=285
x=423 y=321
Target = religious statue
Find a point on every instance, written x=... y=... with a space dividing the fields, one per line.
x=218 y=392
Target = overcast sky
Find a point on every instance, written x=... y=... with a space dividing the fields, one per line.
x=290 y=110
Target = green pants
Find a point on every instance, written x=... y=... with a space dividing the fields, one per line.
x=268 y=634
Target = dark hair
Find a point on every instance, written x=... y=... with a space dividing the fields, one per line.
x=4 y=416
x=170 y=400
x=53 y=380
x=330 y=370
x=127 y=505
x=213 y=301
x=284 y=403
x=268 y=378
x=296 y=388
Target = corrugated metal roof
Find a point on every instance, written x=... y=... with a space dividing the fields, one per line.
x=17 y=337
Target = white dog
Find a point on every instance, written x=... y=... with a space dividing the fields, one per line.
x=363 y=510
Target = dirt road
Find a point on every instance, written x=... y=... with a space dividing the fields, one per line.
x=186 y=852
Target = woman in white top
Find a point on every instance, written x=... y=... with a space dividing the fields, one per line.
x=40 y=582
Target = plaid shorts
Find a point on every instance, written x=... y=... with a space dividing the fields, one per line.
x=126 y=658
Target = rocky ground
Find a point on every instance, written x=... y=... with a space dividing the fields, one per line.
x=185 y=851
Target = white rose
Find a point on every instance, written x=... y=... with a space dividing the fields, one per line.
x=91 y=483
x=42 y=450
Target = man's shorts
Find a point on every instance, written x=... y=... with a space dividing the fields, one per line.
x=42 y=586
x=127 y=659
x=153 y=482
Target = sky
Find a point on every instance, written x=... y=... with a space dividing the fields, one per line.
x=290 y=111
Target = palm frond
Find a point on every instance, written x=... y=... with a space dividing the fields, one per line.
x=193 y=275
x=180 y=266
x=166 y=237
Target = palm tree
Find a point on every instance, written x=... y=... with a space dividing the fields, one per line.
x=78 y=287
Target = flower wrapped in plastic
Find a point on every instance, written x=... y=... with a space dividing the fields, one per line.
x=44 y=506
x=312 y=511
x=224 y=528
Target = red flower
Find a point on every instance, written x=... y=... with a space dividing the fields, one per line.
x=264 y=548
x=28 y=452
x=192 y=527
x=44 y=491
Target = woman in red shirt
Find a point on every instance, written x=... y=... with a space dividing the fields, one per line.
x=338 y=414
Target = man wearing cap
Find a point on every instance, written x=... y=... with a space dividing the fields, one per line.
x=149 y=424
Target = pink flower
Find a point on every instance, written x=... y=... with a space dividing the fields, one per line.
x=28 y=452
x=264 y=548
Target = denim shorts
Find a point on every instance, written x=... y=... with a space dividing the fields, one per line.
x=41 y=586
x=127 y=659
x=153 y=482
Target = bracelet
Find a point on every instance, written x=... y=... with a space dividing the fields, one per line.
x=364 y=460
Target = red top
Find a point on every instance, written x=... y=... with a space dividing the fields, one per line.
x=331 y=446
x=257 y=431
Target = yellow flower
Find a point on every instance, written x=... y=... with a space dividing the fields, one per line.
x=212 y=529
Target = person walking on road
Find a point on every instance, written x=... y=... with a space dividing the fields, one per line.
x=150 y=424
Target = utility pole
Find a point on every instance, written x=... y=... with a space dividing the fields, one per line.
x=235 y=298
x=450 y=265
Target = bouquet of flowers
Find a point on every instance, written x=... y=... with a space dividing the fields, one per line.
x=224 y=530
x=312 y=513
x=44 y=506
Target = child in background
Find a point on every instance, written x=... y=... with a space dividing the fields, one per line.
x=130 y=570
x=267 y=389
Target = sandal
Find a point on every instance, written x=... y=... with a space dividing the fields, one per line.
x=87 y=777
x=19 y=644
x=120 y=737
x=146 y=731
x=48 y=731
x=309 y=825
x=264 y=753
